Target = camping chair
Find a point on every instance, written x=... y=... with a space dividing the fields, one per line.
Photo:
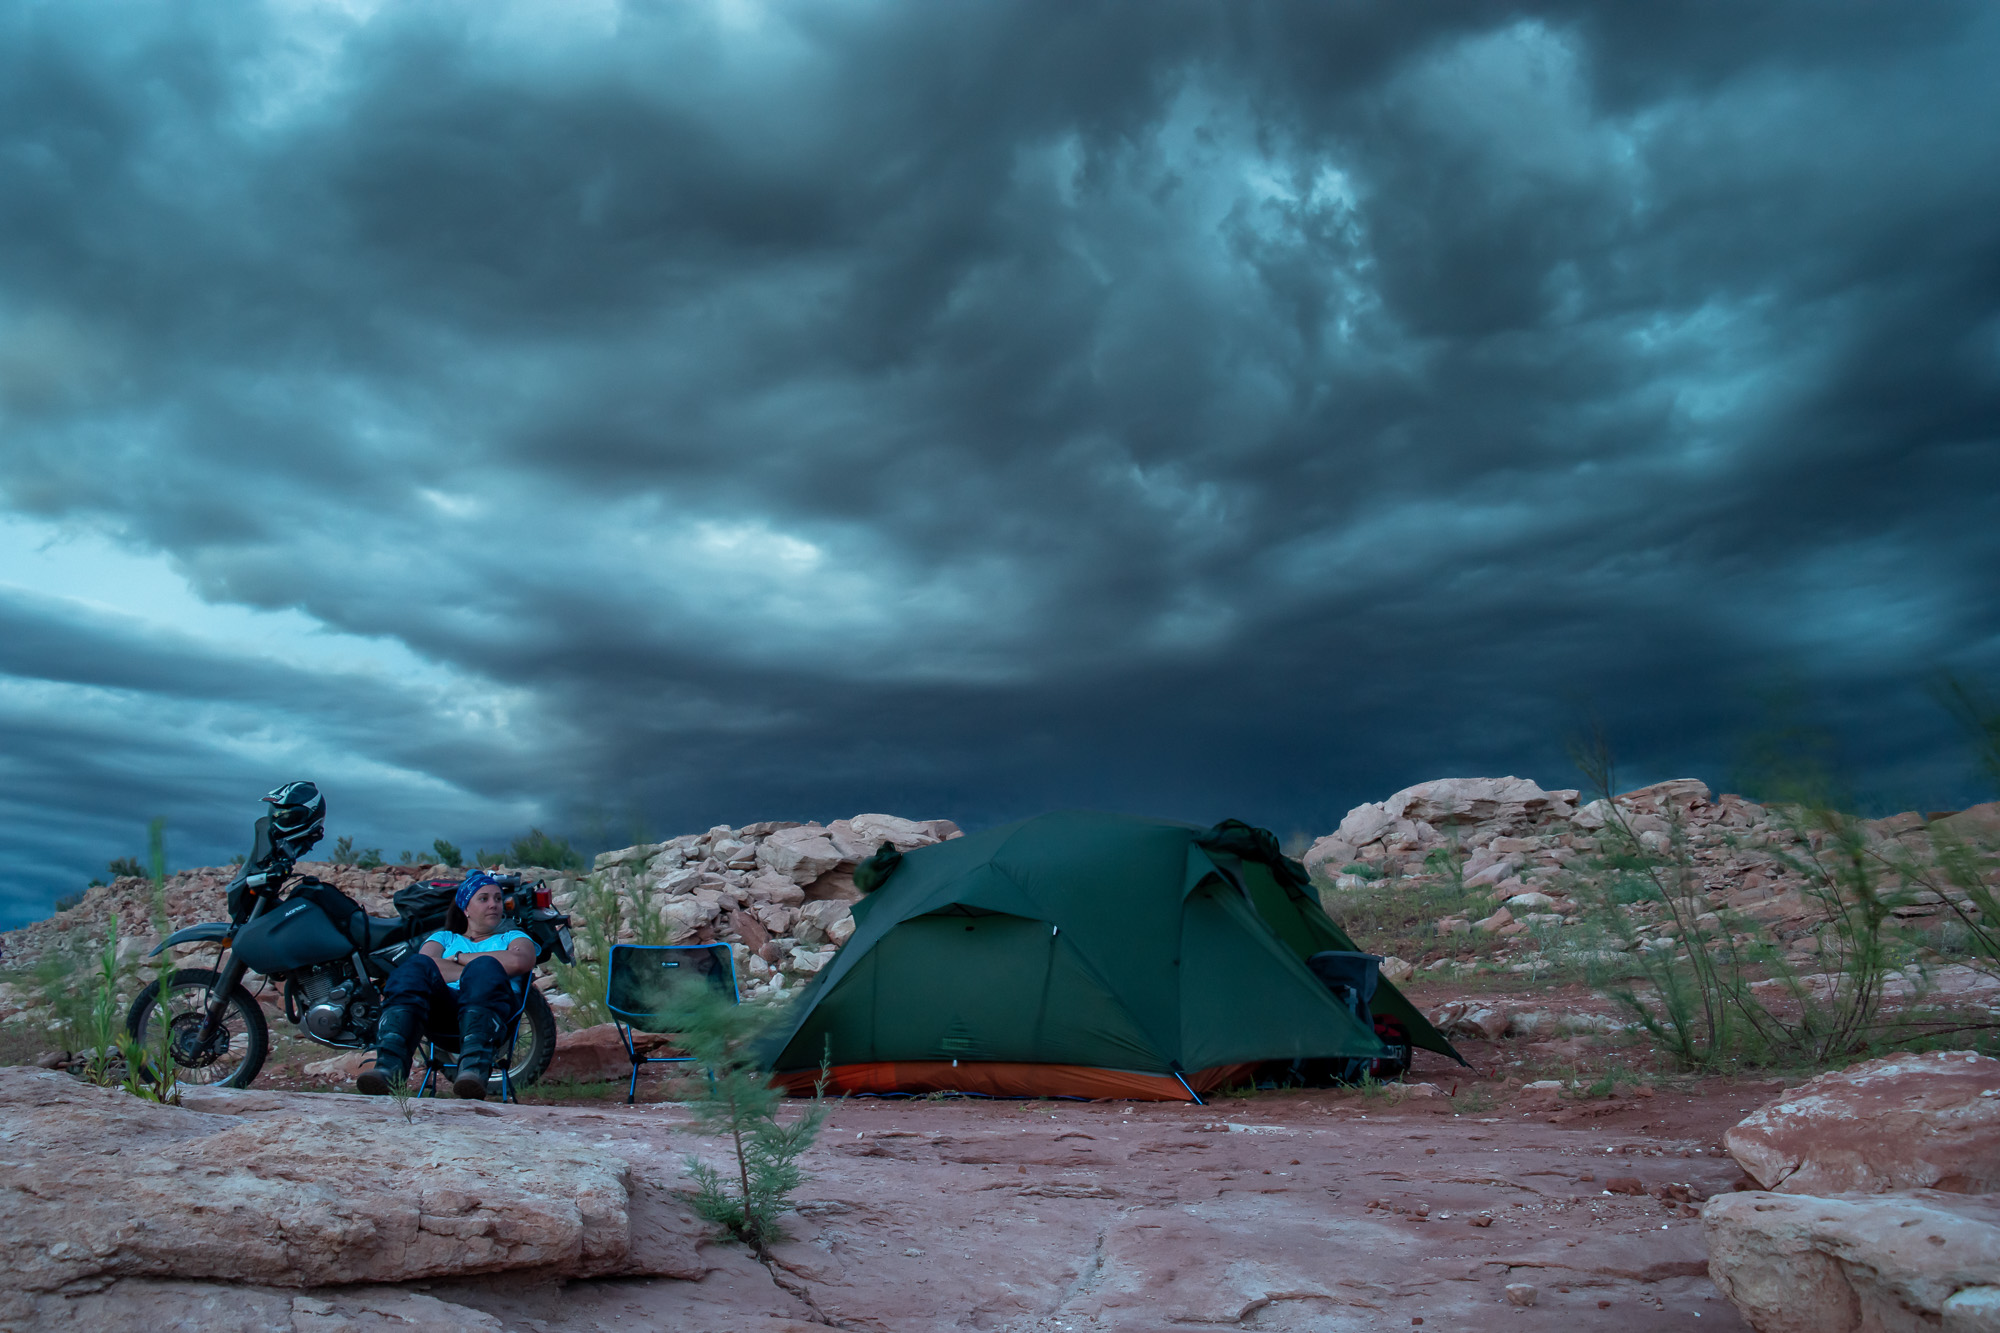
x=639 y=985
x=438 y=1057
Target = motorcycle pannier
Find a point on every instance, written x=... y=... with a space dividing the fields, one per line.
x=343 y=911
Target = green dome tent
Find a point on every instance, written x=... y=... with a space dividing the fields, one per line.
x=1080 y=954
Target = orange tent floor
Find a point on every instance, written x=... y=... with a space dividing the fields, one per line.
x=993 y=1078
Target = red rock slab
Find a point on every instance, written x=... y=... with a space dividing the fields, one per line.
x=1853 y=1262
x=1928 y=1121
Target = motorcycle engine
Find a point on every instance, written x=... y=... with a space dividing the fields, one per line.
x=329 y=1008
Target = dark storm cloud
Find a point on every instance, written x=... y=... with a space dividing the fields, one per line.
x=779 y=411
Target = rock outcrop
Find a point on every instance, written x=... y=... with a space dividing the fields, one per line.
x=1734 y=865
x=1879 y=1210
x=1929 y=1121
x=778 y=893
x=101 y=1185
x=1889 y=1263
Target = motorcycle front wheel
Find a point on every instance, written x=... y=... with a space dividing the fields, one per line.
x=180 y=999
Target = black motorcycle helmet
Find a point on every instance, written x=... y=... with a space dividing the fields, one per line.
x=298 y=817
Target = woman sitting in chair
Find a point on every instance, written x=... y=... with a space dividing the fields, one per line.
x=464 y=975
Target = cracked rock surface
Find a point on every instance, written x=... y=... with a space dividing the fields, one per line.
x=1298 y=1211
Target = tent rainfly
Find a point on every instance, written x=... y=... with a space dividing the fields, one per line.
x=1080 y=955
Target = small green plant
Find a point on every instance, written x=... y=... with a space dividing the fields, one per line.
x=101 y=1027
x=126 y=867
x=150 y=1071
x=1362 y=870
x=600 y=916
x=369 y=859
x=1472 y=1100
x=597 y=917
x=447 y=853
x=69 y=900
x=1446 y=863
x=732 y=1097
x=399 y=1094
x=343 y=851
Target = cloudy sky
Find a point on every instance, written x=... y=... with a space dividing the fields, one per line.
x=622 y=417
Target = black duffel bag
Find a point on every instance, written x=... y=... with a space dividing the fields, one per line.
x=424 y=903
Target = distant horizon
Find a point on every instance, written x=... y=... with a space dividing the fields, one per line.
x=587 y=849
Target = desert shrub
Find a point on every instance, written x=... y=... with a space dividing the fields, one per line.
x=600 y=917
x=343 y=851
x=448 y=853
x=1446 y=863
x=549 y=853
x=370 y=858
x=126 y=867
x=1698 y=1003
x=69 y=900
x=732 y=1097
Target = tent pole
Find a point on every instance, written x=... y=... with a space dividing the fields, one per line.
x=1190 y=1091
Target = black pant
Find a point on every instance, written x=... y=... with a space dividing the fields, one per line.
x=483 y=985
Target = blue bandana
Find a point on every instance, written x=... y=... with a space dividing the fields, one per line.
x=472 y=884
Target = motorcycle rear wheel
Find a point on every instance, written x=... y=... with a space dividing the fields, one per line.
x=230 y=1063
x=535 y=1045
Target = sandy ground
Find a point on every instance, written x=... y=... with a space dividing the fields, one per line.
x=1289 y=1211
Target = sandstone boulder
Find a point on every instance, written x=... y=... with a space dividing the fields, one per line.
x=102 y=1185
x=1328 y=855
x=597 y=1055
x=837 y=885
x=1928 y=1121
x=1845 y=1263
x=1680 y=796
x=800 y=855
x=767 y=887
x=905 y=833
x=1470 y=1018
x=824 y=922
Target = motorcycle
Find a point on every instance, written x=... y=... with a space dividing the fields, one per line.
x=331 y=959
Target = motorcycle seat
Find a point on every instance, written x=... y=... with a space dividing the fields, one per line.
x=385 y=930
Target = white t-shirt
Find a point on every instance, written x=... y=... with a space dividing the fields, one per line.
x=455 y=944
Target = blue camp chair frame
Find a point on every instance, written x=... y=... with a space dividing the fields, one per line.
x=626 y=959
x=436 y=1057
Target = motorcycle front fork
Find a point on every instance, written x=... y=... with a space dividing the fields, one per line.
x=226 y=981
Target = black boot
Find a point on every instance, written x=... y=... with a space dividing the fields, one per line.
x=478 y=1034
x=395 y=1037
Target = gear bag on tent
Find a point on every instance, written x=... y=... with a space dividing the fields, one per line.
x=1352 y=978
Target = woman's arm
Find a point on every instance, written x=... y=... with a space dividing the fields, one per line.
x=519 y=957
x=448 y=968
